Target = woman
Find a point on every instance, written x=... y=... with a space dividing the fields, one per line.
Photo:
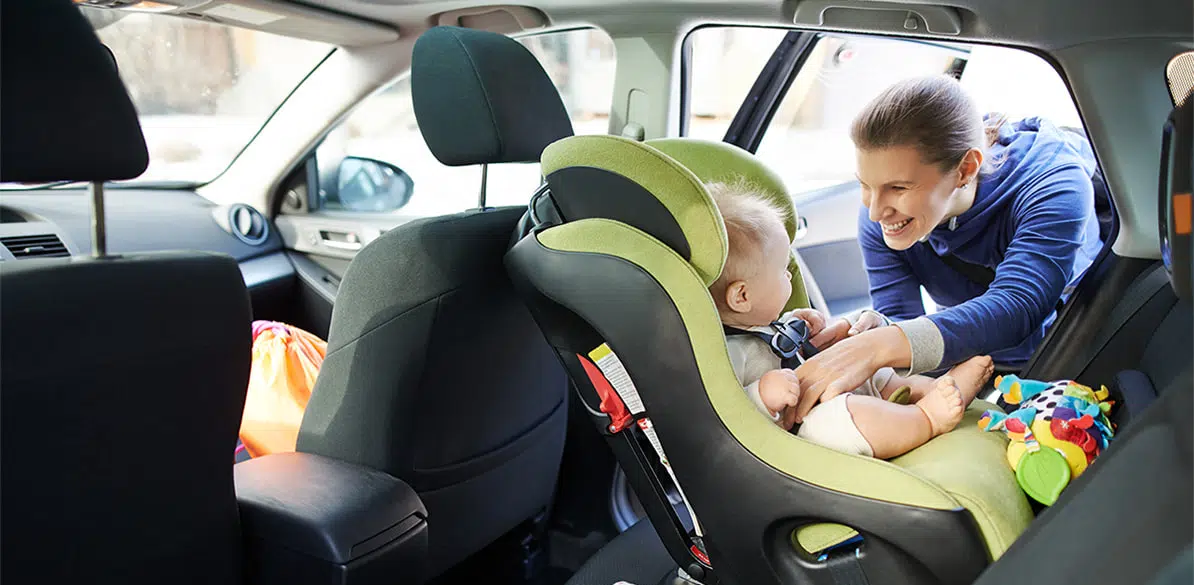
x=949 y=197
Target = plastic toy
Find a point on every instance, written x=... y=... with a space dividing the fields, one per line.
x=1056 y=433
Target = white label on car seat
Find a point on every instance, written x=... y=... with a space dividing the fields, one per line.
x=615 y=372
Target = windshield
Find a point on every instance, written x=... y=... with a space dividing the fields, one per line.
x=202 y=90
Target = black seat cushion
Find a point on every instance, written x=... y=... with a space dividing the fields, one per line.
x=123 y=385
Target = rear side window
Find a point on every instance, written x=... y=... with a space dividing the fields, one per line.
x=808 y=140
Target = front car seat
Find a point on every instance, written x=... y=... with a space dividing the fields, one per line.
x=123 y=377
x=633 y=275
x=435 y=372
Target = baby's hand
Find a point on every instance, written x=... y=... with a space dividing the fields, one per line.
x=780 y=392
x=816 y=319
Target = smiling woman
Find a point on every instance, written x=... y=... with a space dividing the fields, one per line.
x=202 y=90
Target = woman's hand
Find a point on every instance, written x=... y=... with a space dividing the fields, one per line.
x=848 y=364
x=843 y=329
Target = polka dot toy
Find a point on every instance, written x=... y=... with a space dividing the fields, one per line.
x=1056 y=433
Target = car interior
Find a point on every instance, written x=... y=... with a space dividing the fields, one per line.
x=484 y=207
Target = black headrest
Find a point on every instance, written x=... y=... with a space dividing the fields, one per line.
x=64 y=112
x=482 y=97
x=1175 y=214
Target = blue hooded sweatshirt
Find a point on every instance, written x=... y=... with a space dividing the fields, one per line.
x=1033 y=222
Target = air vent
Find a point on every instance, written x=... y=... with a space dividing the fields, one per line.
x=42 y=246
x=247 y=224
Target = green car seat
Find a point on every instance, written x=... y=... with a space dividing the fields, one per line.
x=624 y=244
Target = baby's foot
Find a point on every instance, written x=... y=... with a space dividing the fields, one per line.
x=943 y=405
x=971 y=375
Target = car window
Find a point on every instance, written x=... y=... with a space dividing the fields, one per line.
x=202 y=90
x=808 y=140
x=383 y=128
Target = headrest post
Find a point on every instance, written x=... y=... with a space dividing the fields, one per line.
x=99 y=230
x=484 y=185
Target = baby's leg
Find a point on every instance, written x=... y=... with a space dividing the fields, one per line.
x=894 y=429
x=969 y=375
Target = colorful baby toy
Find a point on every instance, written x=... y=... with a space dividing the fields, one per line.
x=1058 y=430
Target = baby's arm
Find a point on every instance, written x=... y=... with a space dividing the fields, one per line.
x=778 y=391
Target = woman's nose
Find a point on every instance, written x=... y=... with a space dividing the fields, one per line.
x=875 y=207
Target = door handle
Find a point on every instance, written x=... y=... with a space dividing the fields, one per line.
x=348 y=241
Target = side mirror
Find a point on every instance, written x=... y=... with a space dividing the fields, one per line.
x=363 y=184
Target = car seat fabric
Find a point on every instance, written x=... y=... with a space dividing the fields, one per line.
x=483 y=98
x=688 y=352
x=719 y=161
x=122 y=378
x=119 y=465
x=435 y=372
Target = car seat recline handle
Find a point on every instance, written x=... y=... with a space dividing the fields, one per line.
x=942 y=20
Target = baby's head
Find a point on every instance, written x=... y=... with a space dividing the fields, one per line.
x=755 y=283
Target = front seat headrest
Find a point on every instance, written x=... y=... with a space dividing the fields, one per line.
x=483 y=98
x=615 y=178
x=1174 y=214
x=65 y=113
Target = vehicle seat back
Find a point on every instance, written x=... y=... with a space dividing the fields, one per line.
x=435 y=371
x=637 y=281
x=123 y=377
x=1132 y=508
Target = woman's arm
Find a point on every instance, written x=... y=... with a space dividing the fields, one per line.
x=1047 y=230
x=895 y=290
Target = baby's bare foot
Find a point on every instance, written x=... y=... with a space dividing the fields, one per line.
x=943 y=405
x=970 y=376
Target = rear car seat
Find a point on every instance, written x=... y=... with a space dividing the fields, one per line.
x=1131 y=512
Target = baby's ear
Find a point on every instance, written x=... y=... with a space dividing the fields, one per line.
x=737 y=297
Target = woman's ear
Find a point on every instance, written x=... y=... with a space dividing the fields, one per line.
x=737 y=297
x=972 y=162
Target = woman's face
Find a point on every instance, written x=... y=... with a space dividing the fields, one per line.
x=906 y=196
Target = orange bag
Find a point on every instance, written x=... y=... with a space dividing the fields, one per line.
x=286 y=361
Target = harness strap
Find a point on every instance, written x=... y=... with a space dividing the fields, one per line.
x=788 y=341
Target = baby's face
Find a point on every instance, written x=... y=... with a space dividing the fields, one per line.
x=771 y=285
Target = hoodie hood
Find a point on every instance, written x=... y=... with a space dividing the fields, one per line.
x=1024 y=152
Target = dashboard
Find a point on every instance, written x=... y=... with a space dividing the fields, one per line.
x=57 y=223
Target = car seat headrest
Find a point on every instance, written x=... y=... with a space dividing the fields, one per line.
x=66 y=115
x=483 y=98
x=1174 y=213
x=713 y=161
x=616 y=178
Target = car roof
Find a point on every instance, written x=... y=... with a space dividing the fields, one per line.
x=1044 y=25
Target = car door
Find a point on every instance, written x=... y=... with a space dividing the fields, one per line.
x=374 y=172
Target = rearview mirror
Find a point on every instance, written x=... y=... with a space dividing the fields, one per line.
x=364 y=184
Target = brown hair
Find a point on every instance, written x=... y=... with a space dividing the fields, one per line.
x=746 y=214
x=933 y=114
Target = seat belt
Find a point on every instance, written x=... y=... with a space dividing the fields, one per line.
x=1138 y=294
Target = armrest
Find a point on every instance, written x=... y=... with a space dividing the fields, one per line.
x=329 y=512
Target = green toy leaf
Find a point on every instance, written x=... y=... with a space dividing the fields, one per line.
x=1043 y=474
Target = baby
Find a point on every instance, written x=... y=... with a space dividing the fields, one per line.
x=751 y=292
